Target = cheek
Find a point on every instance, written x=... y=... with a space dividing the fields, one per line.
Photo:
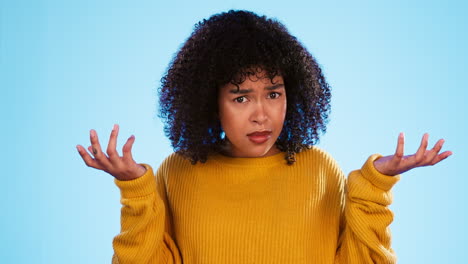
x=285 y=106
x=223 y=112
x=280 y=115
x=229 y=119
x=281 y=110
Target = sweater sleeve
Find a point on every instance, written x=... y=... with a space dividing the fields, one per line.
x=364 y=231
x=144 y=235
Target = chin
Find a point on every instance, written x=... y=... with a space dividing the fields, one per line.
x=256 y=155
x=262 y=152
x=253 y=151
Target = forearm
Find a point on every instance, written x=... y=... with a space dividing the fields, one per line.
x=143 y=238
x=366 y=236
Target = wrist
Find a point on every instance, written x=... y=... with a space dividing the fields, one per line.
x=380 y=166
x=138 y=172
x=377 y=178
x=138 y=187
x=142 y=170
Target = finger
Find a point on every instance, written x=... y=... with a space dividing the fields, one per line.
x=441 y=157
x=92 y=150
x=127 y=149
x=111 y=147
x=400 y=146
x=431 y=154
x=422 y=149
x=88 y=160
x=95 y=148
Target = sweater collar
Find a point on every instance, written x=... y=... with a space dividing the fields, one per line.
x=268 y=161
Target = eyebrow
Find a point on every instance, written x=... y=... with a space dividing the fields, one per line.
x=245 y=91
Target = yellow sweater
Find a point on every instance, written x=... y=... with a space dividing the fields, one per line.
x=256 y=210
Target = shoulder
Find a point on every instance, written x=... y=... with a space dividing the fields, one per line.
x=320 y=160
x=173 y=162
x=171 y=168
x=316 y=155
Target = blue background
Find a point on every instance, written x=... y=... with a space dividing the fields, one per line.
x=69 y=66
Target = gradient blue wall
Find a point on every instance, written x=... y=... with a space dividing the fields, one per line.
x=69 y=66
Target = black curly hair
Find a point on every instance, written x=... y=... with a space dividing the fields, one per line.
x=224 y=49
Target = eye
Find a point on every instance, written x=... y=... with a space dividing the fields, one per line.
x=241 y=99
x=274 y=95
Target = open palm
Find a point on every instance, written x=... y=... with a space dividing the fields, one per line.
x=399 y=163
x=122 y=168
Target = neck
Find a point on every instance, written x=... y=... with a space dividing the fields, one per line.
x=226 y=150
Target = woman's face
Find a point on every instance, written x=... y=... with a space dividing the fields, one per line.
x=252 y=117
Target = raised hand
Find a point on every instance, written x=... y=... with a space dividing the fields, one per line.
x=122 y=168
x=398 y=163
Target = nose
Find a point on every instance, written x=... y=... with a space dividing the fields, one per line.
x=259 y=114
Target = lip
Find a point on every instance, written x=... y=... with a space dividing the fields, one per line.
x=259 y=137
x=260 y=133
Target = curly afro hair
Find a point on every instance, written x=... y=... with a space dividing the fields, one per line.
x=224 y=49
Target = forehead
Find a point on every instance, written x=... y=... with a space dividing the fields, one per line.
x=253 y=81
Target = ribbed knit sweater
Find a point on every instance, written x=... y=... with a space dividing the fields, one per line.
x=256 y=210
